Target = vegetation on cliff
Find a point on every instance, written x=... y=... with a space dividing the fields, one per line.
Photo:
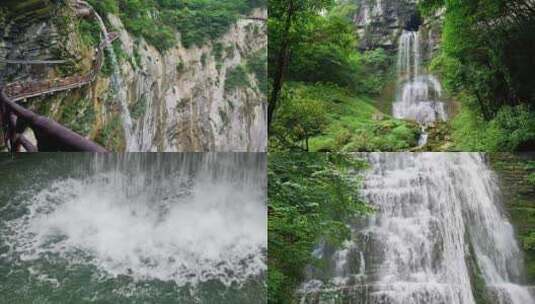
x=310 y=198
x=517 y=174
x=322 y=88
x=197 y=21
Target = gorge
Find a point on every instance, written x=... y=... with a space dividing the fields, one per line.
x=178 y=96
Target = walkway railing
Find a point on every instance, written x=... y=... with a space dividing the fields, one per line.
x=50 y=135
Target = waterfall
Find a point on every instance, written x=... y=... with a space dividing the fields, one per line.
x=133 y=142
x=439 y=234
x=185 y=218
x=419 y=94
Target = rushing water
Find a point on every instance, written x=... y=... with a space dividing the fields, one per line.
x=163 y=228
x=419 y=93
x=439 y=236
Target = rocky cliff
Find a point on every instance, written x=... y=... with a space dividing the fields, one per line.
x=197 y=98
x=380 y=23
x=514 y=171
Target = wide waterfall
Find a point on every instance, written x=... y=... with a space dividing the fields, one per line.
x=419 y=94
x=438 y=236
x=163 y=225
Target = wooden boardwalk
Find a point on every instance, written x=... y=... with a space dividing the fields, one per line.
x=51 y=136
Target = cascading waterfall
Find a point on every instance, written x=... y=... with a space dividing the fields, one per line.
x=186 y=218
x=439 y=236
x=418 y=96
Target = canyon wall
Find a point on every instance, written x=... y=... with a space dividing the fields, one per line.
x=201 y=98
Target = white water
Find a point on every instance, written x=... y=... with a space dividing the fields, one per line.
x=438 y=215
x=419 y=94
x=184 y=218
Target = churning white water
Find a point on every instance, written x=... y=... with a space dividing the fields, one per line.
x=187 y=218
x=419 y=94
x=439 y=235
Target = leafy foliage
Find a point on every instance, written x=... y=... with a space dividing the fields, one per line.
x=323 y=55
x=300 y=118
x=340 y=121
x=197 y=20
x=327 y=53
x=311 y=196
x=487 y=63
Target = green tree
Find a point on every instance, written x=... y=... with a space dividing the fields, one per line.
x=286 y=19
x=300 y=118
x=487 y=59
x=310 y=197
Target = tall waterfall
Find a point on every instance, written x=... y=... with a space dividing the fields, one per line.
x=418 y=96
x=439 y=236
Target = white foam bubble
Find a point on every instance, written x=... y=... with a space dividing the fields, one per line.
x=210 y=230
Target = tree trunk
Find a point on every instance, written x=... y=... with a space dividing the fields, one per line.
x=282 y=62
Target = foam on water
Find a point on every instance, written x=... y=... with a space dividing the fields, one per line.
x=187 y=227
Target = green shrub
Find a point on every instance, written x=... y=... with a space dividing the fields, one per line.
x=512 y=127
x=236 y=77
x=89 y=32
x=343 y=137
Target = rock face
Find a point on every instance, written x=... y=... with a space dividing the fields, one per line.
x=519 y=197
x=380 y=24
x=35 y=30
x=186 y=104
x=178 y=100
